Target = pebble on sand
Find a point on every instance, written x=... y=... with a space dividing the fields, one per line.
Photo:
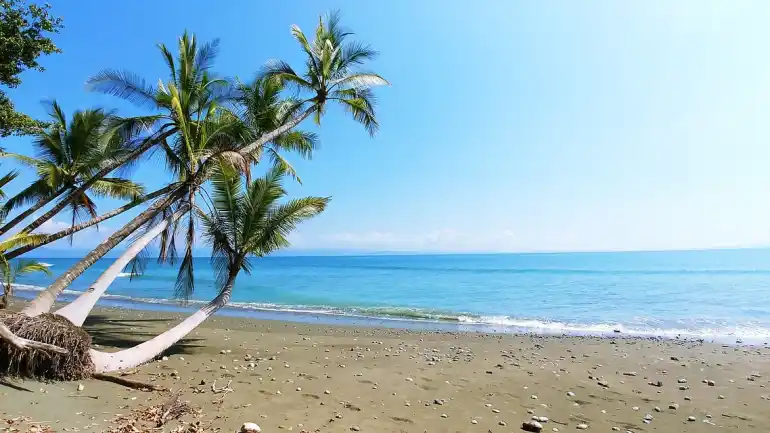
x=250 y=427
x=532 y=426
x=582 y=426
x=691 y=418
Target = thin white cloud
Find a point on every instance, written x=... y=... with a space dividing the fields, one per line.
x=440 y=240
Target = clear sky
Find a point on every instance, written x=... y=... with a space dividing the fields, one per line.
x=509 y=126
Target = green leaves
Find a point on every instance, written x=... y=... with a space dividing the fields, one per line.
x=248 y=219
x=330 y=74
x=25 y=32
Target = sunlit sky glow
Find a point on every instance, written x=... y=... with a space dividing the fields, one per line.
x=510 y=126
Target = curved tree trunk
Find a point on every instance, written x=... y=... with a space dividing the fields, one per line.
x=46 y=299
x=34 y=208
x=87 y=184
x=76 y=228
x=151 y=349
x=78 y=310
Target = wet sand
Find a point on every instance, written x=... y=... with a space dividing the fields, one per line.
x=296 y=377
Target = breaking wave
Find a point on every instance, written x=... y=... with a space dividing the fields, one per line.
x=638 y=327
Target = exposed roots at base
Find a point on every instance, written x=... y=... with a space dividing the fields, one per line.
x=43 y=365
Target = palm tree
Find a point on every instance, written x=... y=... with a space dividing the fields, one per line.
x=330 y=75
x=10 y=271
x=69 y=155
x=190 y=96
x=243 y=221
x=205 y=133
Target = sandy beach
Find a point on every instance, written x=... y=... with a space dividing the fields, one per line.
x=304 y=378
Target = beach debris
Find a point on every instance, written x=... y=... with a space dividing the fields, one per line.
x=355 y=428
x=656 y=383
x=473 y=421
x=582 y=426
x=250 y=427
x=81 y=387
x=710 y=383
x=630 y=373
x=223 y=390
x=673 y=406
x=532 y=426
x=570 y=394
x=691 y=418
x=604 y=384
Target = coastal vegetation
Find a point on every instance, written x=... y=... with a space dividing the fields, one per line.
x=212 y=133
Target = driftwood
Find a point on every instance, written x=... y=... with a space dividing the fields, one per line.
x=129 y=383
x=24 y=344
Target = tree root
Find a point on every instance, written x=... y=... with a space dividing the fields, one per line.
x=24 y=344
x=129 y=383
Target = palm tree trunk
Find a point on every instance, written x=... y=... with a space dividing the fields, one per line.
x=78 y=310
x=149 y=350
x=87 y=184
x=76 y=228
x=46 y=298
x=272 y=135
x=34 y=208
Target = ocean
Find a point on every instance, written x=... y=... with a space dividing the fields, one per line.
x=718 y=295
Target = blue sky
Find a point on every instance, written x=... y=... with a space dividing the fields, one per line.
x=509 y=126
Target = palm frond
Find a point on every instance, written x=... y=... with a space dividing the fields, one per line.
x=5 y=180
x=117 y=188
x=22 y=267
x=123 y=84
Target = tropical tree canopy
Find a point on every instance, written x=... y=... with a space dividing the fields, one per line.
x=70 y=153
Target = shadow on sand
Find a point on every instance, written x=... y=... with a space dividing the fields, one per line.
x=108 y=331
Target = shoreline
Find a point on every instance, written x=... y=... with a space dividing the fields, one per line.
x=445 y=323
x=319 y=378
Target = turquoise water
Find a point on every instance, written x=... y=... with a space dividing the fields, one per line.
x=716 y=295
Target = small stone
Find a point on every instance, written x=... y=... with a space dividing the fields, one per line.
x=165 y=358
x=501 y=423
x=616 y=429
x=604 y=384
x=635 y=408
x=691 y=418
x=630 y=373
x=582 y=426
x=355 y=428
x=721 y=397
x=656 y=409
x=495 y=410
x=570 y=394
x=648 y=417
x=443 y=415
x=299 y=389
x=327 y=392
x=542 y=419
x=473 y=421
x=710 y=383
x=674 y=358
x=681 y=380
x=533 y=397
x=409 y=379
x=687 y=398
x=487 y=404
x=673 y=406
x=250 y=427
x=438 y=402
x=532 y=426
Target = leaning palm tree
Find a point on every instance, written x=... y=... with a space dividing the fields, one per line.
x=204 y=132
x=330 y=75
x=10 y=271
x=244 y=221
x=69 y=154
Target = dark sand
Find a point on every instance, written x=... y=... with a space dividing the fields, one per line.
x=290 y=377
